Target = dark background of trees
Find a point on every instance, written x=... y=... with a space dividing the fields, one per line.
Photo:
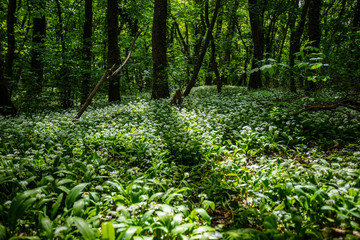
x=52 y=54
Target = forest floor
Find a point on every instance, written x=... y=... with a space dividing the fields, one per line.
x=235 y=165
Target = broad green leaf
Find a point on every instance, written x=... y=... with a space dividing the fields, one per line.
x=25 y=238
x=280 y=207
x=146 y=217
x=328 y=208
x=203 y=214
x=155 y=196
x=78 y=208
x=164 y=218
x=108 y=231
x=118 y=186
x=84 y=228
x=270 y=223
x=206 y=204
x=64 y=181
x=182 y=228
x=46 y=225
x=74 y=193
x=130 y=232
x=3 y=233
x=19 y=205
x=56 y=205
x=178 y=218
x=204 y=229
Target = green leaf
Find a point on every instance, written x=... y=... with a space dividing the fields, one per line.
x=164 y=218
x=74 y=193
x=19 y=205
x=118 y=186
x=78 y=208
x=178 y=218
x=46 y=225
x=204 y=229
x=280 y=207
x=130 y=232
x=146 y=217
x=328 y=208
x=182 y=228
x=108 y=231
x=206 y=204
x=3 y=233
x=84 y=228
x=56 y=205
x=203 y=214
x=270 y=223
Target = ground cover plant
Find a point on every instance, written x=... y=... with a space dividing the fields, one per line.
x=235 y=165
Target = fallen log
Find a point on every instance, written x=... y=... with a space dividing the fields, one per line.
x=351 y=104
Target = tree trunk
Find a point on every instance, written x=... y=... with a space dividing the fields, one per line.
x=159 y=48
x=256 y=18
x=356 y=22
x=200 y=59
x=295 y=38
x=87 y=44
x=314 y=32
x=6 y=106
x=10 y=54
x=65 y=84
x=37 y=66
x=113 y=49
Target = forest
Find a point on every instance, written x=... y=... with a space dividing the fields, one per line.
x=179 y=119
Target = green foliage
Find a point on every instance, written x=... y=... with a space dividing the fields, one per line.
x=236 y=165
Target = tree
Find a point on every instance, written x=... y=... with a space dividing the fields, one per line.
x=295 y=37
x=10 y=54
x=87 y=44
x=64 y=84
x=256 y=13
x=201 y=56
x=314 y=32
x=113 y=49
x=37 y=51
x=6 y=106
x=159 y=49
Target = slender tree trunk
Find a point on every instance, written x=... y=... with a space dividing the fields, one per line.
x=113 y=49
x=65 y=84
x=200 y=59
x=242 y=79
x=37 y=66
x=295 y=38
x=87 y=45
x=356 y=22
x=314 y=32
x=6 y=106
x=159 y=48
x=10 y=54
x=256 y=18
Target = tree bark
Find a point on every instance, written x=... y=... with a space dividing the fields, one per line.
x=87 y=45
x=6 y=106
x=65 y=85
x=37 y=66
x=200 y=59
x=356 y=22
x=10 y=54
x=113 y=49
x=314 y=32
x=295 y=38
x=256 y=18
x=159 y=49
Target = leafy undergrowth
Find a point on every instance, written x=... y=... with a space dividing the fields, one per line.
x=236 y=165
